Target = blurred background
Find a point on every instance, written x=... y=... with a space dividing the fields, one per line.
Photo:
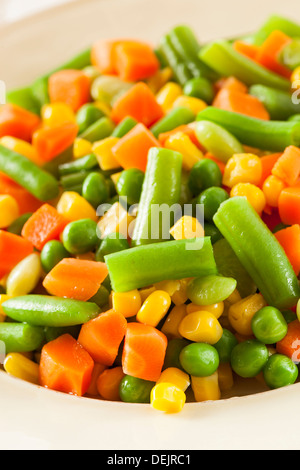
x=11 y=10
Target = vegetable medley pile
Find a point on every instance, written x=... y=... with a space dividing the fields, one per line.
x=95 y=299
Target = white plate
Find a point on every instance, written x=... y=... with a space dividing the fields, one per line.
x=36 y=418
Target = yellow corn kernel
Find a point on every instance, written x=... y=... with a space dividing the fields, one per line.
x=194 y=104
x=115 y=220
x=103 y=151
x=115 y=177
x=74 y=207
x=206 y=388
x=216 y=309
x=176 y=377
x=103 y=107
x=25 y=276
x=127 y=303
x=252 y=193
x=180 y=295
x=19 y=366
x=81 y=147
x=145 y=292
x=225 y=377
x=167 y=95
x=232 y=299
x=3 y=298
x=241 y=313
x=154 y=308
x=173 y=320
x=181 y=142
x=187 y=227
x=168 y=286
x=22 y=147
x=295 y=78
x=57 y=114
x=201 y=327
x=9 y=210
x=242 y=168
x=167 y=397
x=159 y=79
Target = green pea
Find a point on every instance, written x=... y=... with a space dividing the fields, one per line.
x=87 y=115
x=95 y=189
x=199 y=359
x=289 y=316
x=213 y=232
x=130 y=185
x=174 y=348
x=135 y=390
x=295 y=118
x=204 y=174
x=212 y=198
x=268 y=325
x=225 y=345
x=200 y=88
x=112 y=243
x=17 y=226
x=52 y=253
x=249 y=358
x=80 y=236
x=280 y=371
x=209 y=290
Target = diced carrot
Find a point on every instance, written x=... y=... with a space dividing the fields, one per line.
x=220 y=164
x=102 y=55
x=50 y=142
x=132 y=150
x=71 y=87
x=289 y=239
x=44 y=225
x=65 y=366
x=290 y=344
x=17 y=122
x=97 y=370
x=272 y=188
x=108 y=383
x=144 y=351
x=289 y=205
x=269 y=51
x=240 y=102
x=13 y=249
x=75 y=278
x=102 y=336
x=287 y=167
x=268 y=162
x=140 y=103
x=249 y=50
x=135 y=61
x=26 y=202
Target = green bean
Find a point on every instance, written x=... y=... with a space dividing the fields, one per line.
x=87 y=115
x=290 y=55
x=73 y=180
x=17 y=226
x=279 y=104
x=89 y=162
x=200 y=88
x=174 y=118
x=44 y=310
x=273 y=23
x=109 y=88
x=53 y=166
x=180 y=70
x=24 y=98
x=20 y=337
x=36 y=180
x=124 y=127
x=99 y=130
x=52 y=332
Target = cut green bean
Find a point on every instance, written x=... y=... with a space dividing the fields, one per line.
x=279 y=104
x=124 y=127
x=89 y=162
x=273 y=23
x=99 y=130
x=24 y=98
x=17 y=226
x=176 y=117
x=180 y=70
x=20 y=337
x=290 y=55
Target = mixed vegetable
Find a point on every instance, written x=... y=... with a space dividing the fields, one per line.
x=150 y=219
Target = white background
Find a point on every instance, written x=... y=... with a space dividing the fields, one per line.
x=11 y=10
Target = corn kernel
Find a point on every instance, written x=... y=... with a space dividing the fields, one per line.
x=241 y=313
x=295 y=78
x=173 y=320
x=216 y=309
x=252 y=193
x=127 y=303
x=81 y=147
x=9 y=210
x=103 y=107
x=103 y=151
x=74 y=207
x=242 y=168
x=23 y=148
x=115 y=177
x=3 y=298
x=159 y=79
x=167 y=95
x=225 y=377
x=167 y=397
x=272 y=188
x=154 y=308
x=145 y=292
x=19 y=366
x=168 y=286
x=176 y=377
x=206 y=388
x=194 y=104
x=181 y=142
x=187 y=227
x=201 y=327
x=115 y=220
x=57 y=114
x=25 y=276
x=180 y=295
